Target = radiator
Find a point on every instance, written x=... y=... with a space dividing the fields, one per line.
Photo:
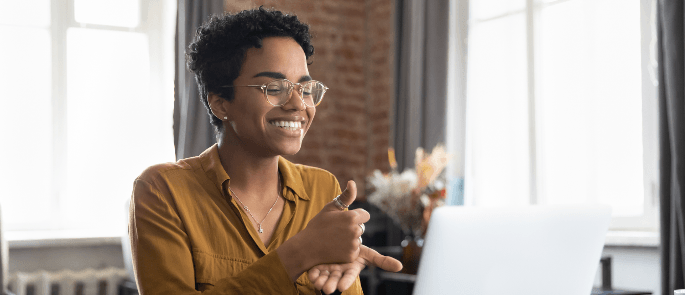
x=67 y=282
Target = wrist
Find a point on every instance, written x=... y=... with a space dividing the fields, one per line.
x=294 y=257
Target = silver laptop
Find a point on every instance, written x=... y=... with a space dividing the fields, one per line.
x=534 y=250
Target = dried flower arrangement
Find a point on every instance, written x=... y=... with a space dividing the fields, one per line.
x=409 y=198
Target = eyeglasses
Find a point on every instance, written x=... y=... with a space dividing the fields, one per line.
x=277 y=92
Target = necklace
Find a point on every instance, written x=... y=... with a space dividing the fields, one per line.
x=248 y=210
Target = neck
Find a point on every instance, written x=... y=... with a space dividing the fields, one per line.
x=252 y=175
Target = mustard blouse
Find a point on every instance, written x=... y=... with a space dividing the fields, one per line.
x=189 y=236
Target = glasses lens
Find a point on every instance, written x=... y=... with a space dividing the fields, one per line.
x=312 y=93
x=277 y=91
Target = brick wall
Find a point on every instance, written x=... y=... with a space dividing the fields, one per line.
x=353 y=56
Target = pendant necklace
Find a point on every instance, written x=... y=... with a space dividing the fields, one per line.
x=259 y=224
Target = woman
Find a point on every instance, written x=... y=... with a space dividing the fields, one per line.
x=239 y=218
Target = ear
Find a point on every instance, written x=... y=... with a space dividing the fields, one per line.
x=218 y=105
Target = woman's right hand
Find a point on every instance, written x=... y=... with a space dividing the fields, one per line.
x=332 y=236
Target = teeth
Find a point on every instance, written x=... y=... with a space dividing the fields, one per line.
x=290 y=125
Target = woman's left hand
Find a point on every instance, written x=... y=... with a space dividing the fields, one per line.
x=329 y=277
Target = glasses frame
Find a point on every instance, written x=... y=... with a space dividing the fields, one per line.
x=290 y=91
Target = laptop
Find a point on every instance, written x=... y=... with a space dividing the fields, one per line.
x=533 y=250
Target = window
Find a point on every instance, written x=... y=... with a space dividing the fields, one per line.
x=561 y=106
x=87 y=102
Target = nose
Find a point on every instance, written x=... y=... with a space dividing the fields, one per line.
x=295 y=101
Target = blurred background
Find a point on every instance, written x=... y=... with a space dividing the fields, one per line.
x=538 y=102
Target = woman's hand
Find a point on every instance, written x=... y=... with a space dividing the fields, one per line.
x=332 y=236
x=329 y=277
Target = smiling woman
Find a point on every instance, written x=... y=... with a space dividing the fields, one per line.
x=239 y=218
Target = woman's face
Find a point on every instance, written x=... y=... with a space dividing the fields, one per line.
x=252 y=120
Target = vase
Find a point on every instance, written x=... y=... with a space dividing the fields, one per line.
x=411 y=254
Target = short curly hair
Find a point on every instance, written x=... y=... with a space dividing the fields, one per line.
x=218 y=50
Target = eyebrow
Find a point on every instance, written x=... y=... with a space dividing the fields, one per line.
x=277 y=75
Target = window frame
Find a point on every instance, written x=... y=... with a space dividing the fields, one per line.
x=156 y=28
x=459 y=27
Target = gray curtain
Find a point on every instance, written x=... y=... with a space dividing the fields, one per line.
x=672 y=143
x=421 y=80
x=192 y=131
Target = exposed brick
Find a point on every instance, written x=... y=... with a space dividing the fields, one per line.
x=379 y=115
x=346 y=53
x=347 y=134
x=357 y=82
x=381 y=141
x=350 y=68
x=380 y=129
x=346 y=162
x=361 y=150
x=353 y=38
x=378 y=106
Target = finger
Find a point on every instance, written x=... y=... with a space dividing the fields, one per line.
x=384 y=262
x=332 y=282
x=313 y=274
x=320 y=281
x=346 y=197
x=358 y=244
x=350 y=193
x=348 y=279
x=362 y=216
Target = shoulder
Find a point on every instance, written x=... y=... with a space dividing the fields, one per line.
x=160 y=172
x=163 y=179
